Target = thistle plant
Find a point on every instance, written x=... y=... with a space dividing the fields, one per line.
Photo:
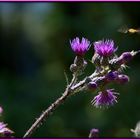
x=94 y=133
x=5 y=132
x=109 y=68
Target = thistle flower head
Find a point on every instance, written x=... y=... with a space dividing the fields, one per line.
x=94 y=133
x=2 y=126
x=104 y=48
x=80 y=48
x=105 y=98
x=4 y=131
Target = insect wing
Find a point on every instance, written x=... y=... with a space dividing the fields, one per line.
x=123 y=29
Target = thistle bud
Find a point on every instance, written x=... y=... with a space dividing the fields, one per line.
x=125 y=57
x=79 y=65
x=92 y=86
x=122 y=79
x=111 y=76
x=73 y=68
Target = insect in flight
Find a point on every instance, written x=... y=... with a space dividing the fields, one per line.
x=125 y=30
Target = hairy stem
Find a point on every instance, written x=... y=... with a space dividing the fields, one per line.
x=51 y=108
x=71 y=88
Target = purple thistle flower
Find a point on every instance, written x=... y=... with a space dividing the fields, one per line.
x=80 y=48
x=4 y=131
x=2 y=126
x=105 y=98
x=94 y=133
x=104 y=48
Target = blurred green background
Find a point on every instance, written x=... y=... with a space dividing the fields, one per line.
x=35 y=51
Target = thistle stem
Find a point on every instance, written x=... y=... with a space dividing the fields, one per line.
x=71 y=88
x=50 y=109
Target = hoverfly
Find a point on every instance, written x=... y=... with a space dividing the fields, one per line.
x=125 y=30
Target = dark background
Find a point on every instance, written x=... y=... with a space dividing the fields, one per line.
x=35 y=51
